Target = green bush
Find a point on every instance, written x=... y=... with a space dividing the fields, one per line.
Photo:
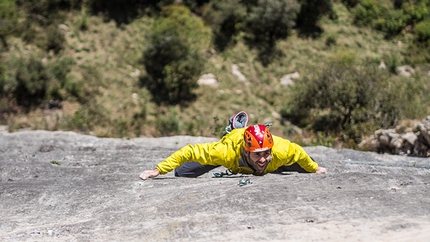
x=312 y=10
x=390 y=17
x=415 y=11
x=225 y=18
x=83 y=22
x=366 y=12
x=30 y=82
x=54 y=39
x=58 y=89
x=350 y=100
x=271 y=20
x=394 y=22
x=392 y=61
x=173 y=56
x=419 y=50
x=8 y=19
x=61 y=67
x=167 y=125
x=418 y=53
x=8 y=9
x=88 y=86
x=87 y=117
x=422 y=31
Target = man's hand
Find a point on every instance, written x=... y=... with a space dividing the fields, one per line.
x=321 y=170
x=149 y=174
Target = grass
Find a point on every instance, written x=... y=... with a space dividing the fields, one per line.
x=54 y=162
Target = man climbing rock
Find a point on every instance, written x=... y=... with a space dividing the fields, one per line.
x=252 y=150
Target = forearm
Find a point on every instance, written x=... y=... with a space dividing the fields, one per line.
x=186 y=153
x=305 y=161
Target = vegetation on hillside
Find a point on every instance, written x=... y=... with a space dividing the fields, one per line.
x=130 y=68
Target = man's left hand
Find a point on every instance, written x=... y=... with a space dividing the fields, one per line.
x=321 y=170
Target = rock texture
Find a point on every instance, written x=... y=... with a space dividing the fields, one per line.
x=62 y=186
x=412 y=141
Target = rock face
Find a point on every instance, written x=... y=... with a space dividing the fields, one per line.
x=413 y=142
x=62 y=186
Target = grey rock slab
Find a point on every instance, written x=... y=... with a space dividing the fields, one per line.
x=63 y=186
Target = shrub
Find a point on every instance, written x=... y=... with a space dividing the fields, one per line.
x=225 y=17
x=392 y=61
x=167 y=125
x=271 y=20
x=83 y=22
x=415 y=11
x=8 y=18
x=419 y=50
x=61 y=67
x=8 y=9
x=422 y=31
x=87 y=117
x=331 y=39
x=367 y=12
x=60 y=70
x=54 y=39
x=30 y=82
x=394 y=22
x=391 y=17
x=350 y=100
x=87 y=86
x=173 y=57
x=312 y=10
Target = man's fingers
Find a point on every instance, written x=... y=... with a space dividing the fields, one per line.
x=149 y=174
x=144 y=175
x=321 y=170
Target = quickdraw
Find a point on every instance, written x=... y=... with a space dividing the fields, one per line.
x=221 y=174
x=244 y=181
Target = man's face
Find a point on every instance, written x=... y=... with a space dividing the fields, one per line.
x=259 y=160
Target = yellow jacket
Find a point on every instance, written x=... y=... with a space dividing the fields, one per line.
x=228 y=153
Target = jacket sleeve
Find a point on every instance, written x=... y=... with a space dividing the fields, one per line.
x=290 y=153
x=205 y=154
x=303 y=159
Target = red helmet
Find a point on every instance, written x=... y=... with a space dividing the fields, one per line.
x=258 y=138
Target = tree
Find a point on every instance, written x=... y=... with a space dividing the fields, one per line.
x=311 y=11
x=271 y=20
x=225 y=17
x=173 y=56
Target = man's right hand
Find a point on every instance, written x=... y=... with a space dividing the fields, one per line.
x=149 y=174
